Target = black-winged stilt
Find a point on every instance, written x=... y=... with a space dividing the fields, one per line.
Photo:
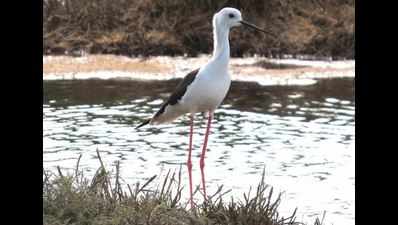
x=203 y=90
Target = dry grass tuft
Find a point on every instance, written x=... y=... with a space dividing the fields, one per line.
x=101 y=200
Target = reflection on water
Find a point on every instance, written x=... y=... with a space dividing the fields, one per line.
x=303 y=135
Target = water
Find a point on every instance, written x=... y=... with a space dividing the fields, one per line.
x=304 y=136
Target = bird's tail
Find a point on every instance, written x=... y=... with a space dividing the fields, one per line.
x=143 y=123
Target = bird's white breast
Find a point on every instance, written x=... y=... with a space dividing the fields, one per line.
x=208 y=89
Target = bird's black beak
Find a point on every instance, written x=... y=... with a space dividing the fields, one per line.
x=256 y=27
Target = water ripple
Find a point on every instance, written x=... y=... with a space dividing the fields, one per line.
x=303 y=136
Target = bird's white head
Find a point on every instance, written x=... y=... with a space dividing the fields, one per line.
x=227 y=18
x=223 y=21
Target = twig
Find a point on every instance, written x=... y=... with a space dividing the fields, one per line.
x=77 y=165
x=143 y=186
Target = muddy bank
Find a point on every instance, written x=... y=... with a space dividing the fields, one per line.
x=257 y=69
x=176 y=27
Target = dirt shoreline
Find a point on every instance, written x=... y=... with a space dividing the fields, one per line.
x=256 y=69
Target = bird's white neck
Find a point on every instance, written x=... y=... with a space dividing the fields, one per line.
x=221 y=45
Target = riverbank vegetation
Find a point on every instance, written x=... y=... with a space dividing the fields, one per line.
x=183 y=27
x=101 y=200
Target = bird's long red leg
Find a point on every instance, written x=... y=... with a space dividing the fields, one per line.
x=202 y=157
x=189 y=162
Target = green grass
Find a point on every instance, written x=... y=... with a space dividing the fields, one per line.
x=101 y=200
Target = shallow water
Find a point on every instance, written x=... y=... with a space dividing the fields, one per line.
x=304 y=136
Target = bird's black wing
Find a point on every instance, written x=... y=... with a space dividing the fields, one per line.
x=176 y=95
